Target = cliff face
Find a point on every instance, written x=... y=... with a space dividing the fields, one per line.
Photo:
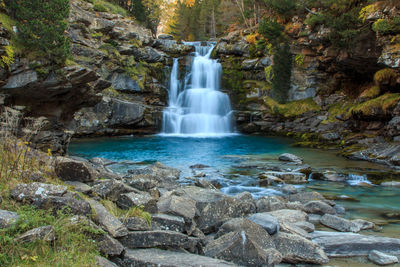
x=114 y=83
x=346 y=97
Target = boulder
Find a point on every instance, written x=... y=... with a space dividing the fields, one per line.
x=290 y=158
x=159 y=238
x=266 y=221
x=289 y=177
x=304 y=197
x=352 y=245
x=243 y=249
x=363 y=224
x=136 y=224
x=72 y=202
x=32 y=192
x=133 y=199
x=289 y=189
x=296 y=249
x=339 y=224
x=73 y=170
x=111 y=189
x=270 y=203
x=314 y=218
x=177 y=205
x=306 y=226
x=289 y=216
x=107 y=221
x=123 y=82
x=291 y=228
x=318 y=207
x=103 y=262
x=80 y=187
x=381 y=258
x=167 y=222
x=109 y=246
x=7 y=218
x=165 y=258
x=45 y=233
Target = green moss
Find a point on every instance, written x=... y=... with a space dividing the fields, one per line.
x=291 y=109
x=99 y=7
x=387 y=26
x=108 y=6
x=7 y=21
x=97 y=35
x=386 y=77
x=371 y=92
x=384 y=103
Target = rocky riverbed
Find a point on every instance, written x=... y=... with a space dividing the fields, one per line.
x=194 y=224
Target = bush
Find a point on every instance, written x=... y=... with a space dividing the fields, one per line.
x=99 y=8
x=315 y=20
x=42 y=26
x=282 y=7
x=386 y=26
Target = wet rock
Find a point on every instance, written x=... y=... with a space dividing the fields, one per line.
x=73 y=170
x=351 y=245
x=296 y=249
x=45 y=233
x=306 y=226
x=267 y=180
x=79 y=187
x=136 y=224
x=266 y=221
x=339 y=209
x=314 y=218
x=289 y=189
x=167 y=222
x=133 y=199
x=165 y=37
x=165 y=258
x=363 y=224
x=380 y=258
x=7 y=218
x=107 y=221
x=289 y=216
x=318 y=207
x=290 y=158
x=304 y=197
x=289 y=177
x=243 y=249
x=158 y=238
x=339 y=224
x=109 y=246
x=177 y=205
x=332 y=176
x=103 y=262
x=199 y=166
x=391 y=184
x=271 y=203
x=111 y=189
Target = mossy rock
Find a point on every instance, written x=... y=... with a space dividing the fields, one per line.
x=291 y=109
x=387 y=79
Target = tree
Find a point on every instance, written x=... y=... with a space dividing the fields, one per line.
x=42 y=25
x=282 y=72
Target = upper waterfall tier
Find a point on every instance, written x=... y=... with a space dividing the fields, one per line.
x=198 y=108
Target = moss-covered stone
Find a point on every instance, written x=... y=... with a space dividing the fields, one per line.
x=291 y=109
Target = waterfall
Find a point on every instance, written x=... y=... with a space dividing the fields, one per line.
x=200 y=109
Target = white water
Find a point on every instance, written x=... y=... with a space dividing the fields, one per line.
x=200 y=109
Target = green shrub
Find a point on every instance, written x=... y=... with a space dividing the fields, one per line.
x=386 y=26
x=282 y=7
x=99 y=8
x=7 y=59
x=42 y=26
x=315 y=20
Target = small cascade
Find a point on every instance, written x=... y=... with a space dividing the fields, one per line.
x=199 y=109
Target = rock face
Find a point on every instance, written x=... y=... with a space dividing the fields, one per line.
x=164 y=258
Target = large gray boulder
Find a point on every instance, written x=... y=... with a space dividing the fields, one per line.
x=289 y=216
x=351 y=244
x=159 y=238
x=7 y=218
x=242 y=248
x=133 y=199
x=177 y=205
x=318 y=207
x=296 y=249
x=45 y=233
x=266 y=221
x=304 y=197
x=290 y=158
x=111 y=189
x=339 y=224
x=32 y=192
x=165 y=258
x=167 y=222
x=107 y=221
x=103 y=262
x=270 y=203
x=109 y=246
x=136 y=224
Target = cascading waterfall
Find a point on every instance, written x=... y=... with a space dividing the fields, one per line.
x=200 y=109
